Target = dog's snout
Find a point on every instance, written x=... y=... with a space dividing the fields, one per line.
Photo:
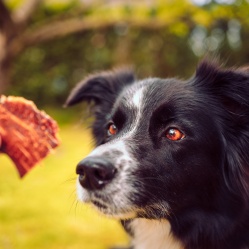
x=95 y=172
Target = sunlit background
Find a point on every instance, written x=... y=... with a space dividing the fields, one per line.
x=46 y=47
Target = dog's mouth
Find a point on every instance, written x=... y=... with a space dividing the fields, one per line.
x=112 y=210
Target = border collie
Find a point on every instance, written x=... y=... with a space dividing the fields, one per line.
x=171 y=158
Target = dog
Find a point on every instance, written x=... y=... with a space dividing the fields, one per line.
x=172 y=156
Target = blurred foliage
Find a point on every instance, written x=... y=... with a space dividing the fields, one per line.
x=177 y=35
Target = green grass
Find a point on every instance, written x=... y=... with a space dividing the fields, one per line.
x=40 y=211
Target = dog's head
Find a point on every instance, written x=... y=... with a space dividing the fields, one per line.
x=165 y=145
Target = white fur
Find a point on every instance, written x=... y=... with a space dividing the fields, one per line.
x=153 y=234
x=135 y=102
x=114 y=145
x=137 y=98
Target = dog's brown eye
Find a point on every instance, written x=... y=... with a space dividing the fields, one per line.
x=112 y=130
x=174 y=134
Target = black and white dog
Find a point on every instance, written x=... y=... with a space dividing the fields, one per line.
x=172 y=156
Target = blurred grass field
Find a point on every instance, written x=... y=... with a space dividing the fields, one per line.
x=41 y=210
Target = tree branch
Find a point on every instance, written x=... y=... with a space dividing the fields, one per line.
x=59 y=29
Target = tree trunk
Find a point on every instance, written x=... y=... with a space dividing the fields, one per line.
x=4 y=75
x=4 y=65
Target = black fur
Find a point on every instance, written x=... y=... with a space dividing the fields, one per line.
x=204 y=177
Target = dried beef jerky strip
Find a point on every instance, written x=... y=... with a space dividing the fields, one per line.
x=28 y=135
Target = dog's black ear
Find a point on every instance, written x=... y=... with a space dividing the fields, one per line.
x=229 y=86
x=230 y=89
x=102 y=89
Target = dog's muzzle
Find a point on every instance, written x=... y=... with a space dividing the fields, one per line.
x=95 y=172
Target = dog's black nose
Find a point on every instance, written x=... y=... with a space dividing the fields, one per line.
x=95 y=172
